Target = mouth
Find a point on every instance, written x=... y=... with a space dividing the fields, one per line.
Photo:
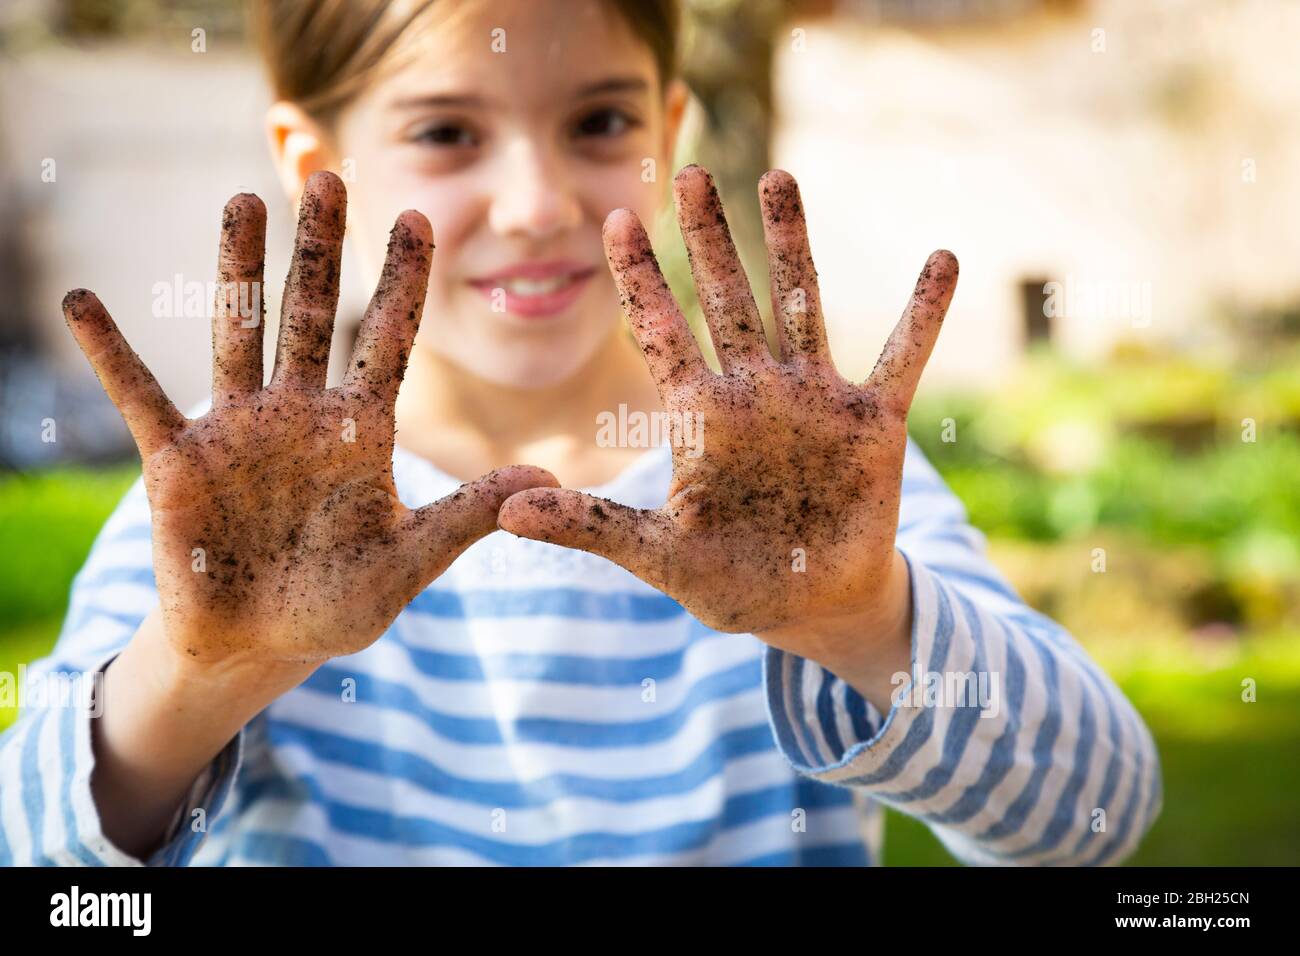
x=535 y=291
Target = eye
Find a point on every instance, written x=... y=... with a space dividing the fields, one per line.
x=606 y=122
x=445 y=134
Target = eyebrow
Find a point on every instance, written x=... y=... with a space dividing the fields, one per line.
x=616 y=84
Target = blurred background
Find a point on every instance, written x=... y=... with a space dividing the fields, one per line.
x=1115 y=396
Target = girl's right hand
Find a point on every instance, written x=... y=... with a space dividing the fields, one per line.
x=278 y=536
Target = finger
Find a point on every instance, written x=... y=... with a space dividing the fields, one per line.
x=433 y=536
x=796 y=302
x=665 y=338
x=311 y=293
x=238 y=311
x=626 y=536
x=393 y=316
x=898 y=370
x=720 y=280
x=149 y=413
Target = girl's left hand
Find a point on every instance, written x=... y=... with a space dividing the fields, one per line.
x=781 y=522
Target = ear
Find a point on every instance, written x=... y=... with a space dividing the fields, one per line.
x=675 y=99
x=299 y=146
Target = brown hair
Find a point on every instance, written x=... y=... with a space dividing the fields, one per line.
x=322 y=53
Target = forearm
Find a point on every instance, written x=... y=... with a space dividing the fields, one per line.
x=1022 y=752
x=163 y=721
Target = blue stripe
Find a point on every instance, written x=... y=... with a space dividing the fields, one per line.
x=838 y=854
x=959 y=576
x=6 y=851
x=1048 y=731
x=799 y=716
x=732 y=682
x=574 y=603
x=918 y=734
x=260 y=846
x=1157 y=790
x=774 y=683
x=1002 y=755
x=1109 y=782
x=224 y=771
x=404 y=830
x=1043 y=628
x=858 y=718
x=373 y=757
x=67 y=747
x=811 y=793
x=1135 y=800
x=33 y=799
x=962 y=725
x=1065 y=814
x=1038 y=627
x=826 y=710
x=560 y=668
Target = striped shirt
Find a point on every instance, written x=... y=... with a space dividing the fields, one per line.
x=542 y=706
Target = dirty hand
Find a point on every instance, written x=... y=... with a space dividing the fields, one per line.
x=278 y=535
x=784 y=516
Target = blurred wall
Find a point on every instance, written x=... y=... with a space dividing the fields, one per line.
x=148 y=143
x=1158 y=167
x=1157 y=162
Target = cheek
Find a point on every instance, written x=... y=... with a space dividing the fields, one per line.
x=637 y=187
x=452 y=221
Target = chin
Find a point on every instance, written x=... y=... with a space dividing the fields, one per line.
x=534 y=370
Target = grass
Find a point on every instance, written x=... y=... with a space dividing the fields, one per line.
x=48 y=521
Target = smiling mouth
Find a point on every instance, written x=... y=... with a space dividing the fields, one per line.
x=532 y=287
x=535 y=297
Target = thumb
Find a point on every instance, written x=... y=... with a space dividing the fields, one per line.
x=436 y=534
x=575 y=520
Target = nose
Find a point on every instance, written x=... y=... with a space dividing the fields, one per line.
x=533 y=196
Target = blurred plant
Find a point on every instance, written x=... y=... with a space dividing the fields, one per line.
x=1148 y=453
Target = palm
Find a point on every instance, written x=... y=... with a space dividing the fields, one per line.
x=792 y=502
x=276 y=525
x=771 y=519
x=269 y=490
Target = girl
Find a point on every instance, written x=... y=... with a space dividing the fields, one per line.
x=733 y=652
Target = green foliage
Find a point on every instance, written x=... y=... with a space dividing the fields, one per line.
x=1144 y=452
x=48 y=521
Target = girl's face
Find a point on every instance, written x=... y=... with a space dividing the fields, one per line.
x=516 y=128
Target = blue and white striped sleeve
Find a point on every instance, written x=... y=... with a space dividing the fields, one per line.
x=1010 y=742
x=47 y=813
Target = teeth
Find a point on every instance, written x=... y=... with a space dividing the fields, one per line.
x=536 y=286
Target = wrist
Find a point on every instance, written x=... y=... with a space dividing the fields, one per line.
x=864 y=646
x=237 y=677
x=238 y=687
x=162 y=721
